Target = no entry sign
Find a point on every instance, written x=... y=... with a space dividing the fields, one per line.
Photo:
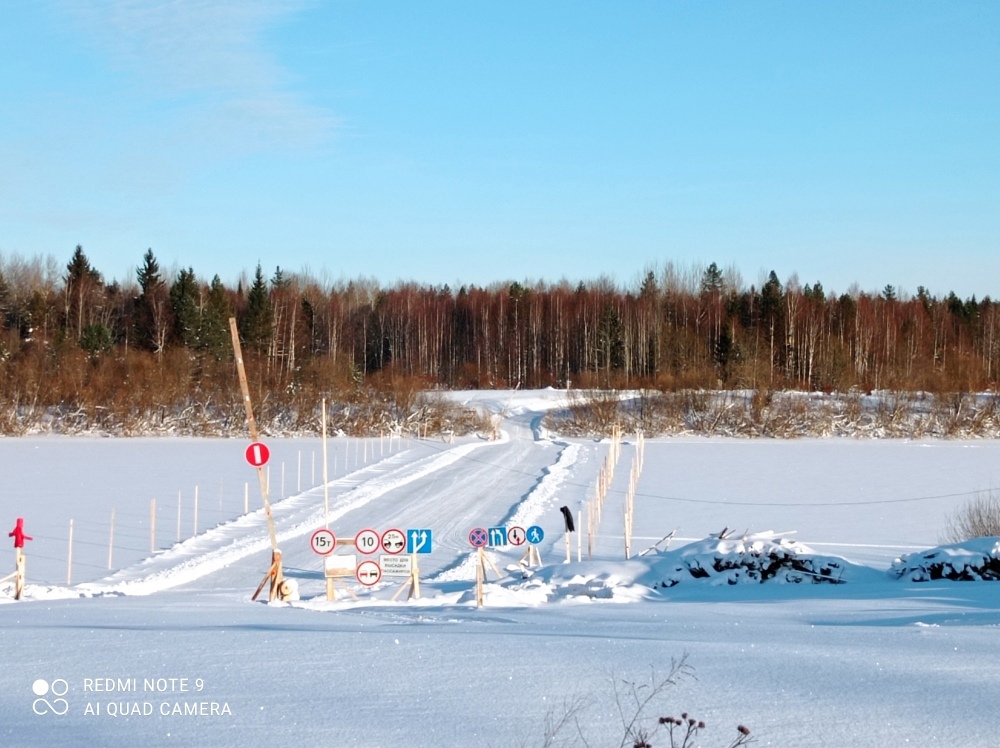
x=258 y=454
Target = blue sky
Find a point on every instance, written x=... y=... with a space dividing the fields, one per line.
x=475 y=142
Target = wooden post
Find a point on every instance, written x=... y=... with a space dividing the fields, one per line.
x=480 y=573
x=414 y=580
x=275 y=572
x=69 y=558
x=531 y=557
x=111 y=540
x=19 y=578
x=326 y=478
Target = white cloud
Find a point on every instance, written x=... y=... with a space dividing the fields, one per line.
x=213 y=53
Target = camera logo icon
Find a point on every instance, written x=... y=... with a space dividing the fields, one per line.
x=57 y=689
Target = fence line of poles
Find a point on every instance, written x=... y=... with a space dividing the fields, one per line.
x=362 y=453
x=595 y=506
x=633 y=482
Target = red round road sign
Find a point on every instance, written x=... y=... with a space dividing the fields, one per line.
x=323 y=542
x=478 y=537
x=516 y=536
x=393 y=541
x=366 y=541
x=258 y=454
x=368 y=573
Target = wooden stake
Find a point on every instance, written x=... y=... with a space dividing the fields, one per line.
x=273 y=574
x=480 y=574
x=531 y=557
x=19 y=578
x=276 y=573
x=69 y=561
x=413 y=582
x=326 y=478
x=111 y=540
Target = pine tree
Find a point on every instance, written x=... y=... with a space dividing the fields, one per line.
x=214 y=335
x=258 y=319
x=81 y=281
x=711 y=280
x=152 y=324
x=184 y=304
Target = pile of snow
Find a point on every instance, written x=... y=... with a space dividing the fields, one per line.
x=748 y=559
x=977 y=559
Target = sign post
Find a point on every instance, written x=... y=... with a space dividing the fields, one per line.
x=532 y=536
x=275 y=573
x=339 y=567
x=19 y=563
x=479 y=538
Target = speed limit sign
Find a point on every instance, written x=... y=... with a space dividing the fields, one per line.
x=367 y=541
x=323 y=542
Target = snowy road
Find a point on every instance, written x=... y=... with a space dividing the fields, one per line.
x=874 y=663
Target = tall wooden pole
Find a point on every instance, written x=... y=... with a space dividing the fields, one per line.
x=111 y=539
x=326 y=479
x=252 y=424
x=274 y=574
x=69 y=560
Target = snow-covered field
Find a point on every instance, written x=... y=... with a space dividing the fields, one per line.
x=167 y=648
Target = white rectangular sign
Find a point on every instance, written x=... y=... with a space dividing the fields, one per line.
x=341 y=565
x=396 y=566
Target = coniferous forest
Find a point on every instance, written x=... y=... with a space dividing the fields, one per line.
x=155 y=354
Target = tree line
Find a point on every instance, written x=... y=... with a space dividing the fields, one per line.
x=71 y=339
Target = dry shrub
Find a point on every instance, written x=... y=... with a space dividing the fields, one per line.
x=977 y=518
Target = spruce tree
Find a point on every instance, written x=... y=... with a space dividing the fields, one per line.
x=152 y=323
x=184 y=304
x=258 y=319
x=214 y=335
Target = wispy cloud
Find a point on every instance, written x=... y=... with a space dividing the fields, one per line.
x=213 y=52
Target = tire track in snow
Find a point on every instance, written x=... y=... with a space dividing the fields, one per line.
x=523 y=514
x=197 y=557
